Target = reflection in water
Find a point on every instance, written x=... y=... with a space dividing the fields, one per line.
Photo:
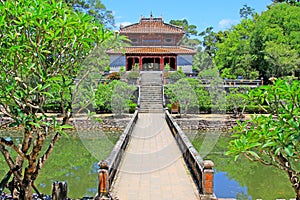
x=71 y=161
x=232 y=187
x=242 y=179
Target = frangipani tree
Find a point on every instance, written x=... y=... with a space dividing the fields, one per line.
x=42 y=45
x=273 y=139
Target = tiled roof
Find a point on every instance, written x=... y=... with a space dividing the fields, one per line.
x=151 y=25
x=153 y=50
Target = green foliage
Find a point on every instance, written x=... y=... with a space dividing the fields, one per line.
x=136 y=67
x=234 y=53
x=236 y=101
x=175 y=76
x=107 y=68
x=210 y=39
x=122 y=69
x=122 y=98
x=183 y=93
x=247 y=11
x=42 y=47
x=203 y=98
x=116 y=97
x=202 y=61
x=94 y=8
x=133 y=75
x=255 y=109
x=103 y=96
x=167 y=67
x=273 y=139
x=265 y=45
x=190 y=30
x=209 y=73
x=292 y=2
x=259 y=180
x=283 y=59
x=275 y=37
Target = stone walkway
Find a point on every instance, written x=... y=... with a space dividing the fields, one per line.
x=153 y=167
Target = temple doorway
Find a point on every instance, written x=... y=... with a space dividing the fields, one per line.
x=132 y=62
x=151 y=64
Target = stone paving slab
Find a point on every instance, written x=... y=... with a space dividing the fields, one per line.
x=153 y=167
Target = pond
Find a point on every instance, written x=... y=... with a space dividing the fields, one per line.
x=240 y=179
x=74 y=160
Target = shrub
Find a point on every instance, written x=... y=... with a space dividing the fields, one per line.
x=133 y=75
x=175 y=76
x=107 y=68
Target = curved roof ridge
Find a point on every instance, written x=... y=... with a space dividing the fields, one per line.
x=151 y=25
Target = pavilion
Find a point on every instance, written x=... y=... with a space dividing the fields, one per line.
x=154 y=45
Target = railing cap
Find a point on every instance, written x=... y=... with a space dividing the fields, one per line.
x=208 y=164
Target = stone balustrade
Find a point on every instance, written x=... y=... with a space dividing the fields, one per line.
x=116 y=154
x=201 y=170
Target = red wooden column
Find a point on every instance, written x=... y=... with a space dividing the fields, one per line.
x=175 y=58
x=161 y=63
x=141 y=63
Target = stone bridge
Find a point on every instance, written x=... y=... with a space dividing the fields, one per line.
x=153 y=158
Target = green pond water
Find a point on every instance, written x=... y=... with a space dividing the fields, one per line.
x=240 y=179
x=74 y=160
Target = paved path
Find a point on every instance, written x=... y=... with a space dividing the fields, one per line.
x=153 y=167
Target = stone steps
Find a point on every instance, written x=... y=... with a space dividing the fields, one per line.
x=151 y=92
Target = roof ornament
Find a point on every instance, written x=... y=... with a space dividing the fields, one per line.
x=151 y=16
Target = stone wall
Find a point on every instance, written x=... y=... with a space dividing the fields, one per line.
x=203 y=124
x=113 y=123
x=107 y=123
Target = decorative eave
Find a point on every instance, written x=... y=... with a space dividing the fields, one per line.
x=152 y=50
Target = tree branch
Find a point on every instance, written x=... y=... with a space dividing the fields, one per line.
x=44 y=158
x=10 y=162
x=13 y=146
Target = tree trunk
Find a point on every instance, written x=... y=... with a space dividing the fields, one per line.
x=293 y=176
x=296 y=185
x=26 y=192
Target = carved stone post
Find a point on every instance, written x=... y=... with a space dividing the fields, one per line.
x=103 y=187
x=208 y=180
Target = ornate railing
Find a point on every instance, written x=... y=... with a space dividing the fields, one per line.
x=201 y=170
x=115 y=157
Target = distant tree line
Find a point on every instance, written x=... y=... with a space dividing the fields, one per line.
x=261 y=45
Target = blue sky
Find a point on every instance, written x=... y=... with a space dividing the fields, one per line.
x=220 y=14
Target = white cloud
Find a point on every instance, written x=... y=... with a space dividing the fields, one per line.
x=118 y=24
x=227 y=23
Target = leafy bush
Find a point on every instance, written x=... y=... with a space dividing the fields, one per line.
x=133 y=75
x=107 y=68
x=209 y=73
x=255 y=109
x=175 y=76
x=116 y=96
x=132 y=107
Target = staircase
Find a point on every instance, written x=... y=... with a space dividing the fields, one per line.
x=151 y=92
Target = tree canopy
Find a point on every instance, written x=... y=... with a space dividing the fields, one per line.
x=94 y=8
x=266 y=45
x=273 y=139
x=42 y=46
x=190 y=30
